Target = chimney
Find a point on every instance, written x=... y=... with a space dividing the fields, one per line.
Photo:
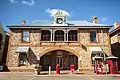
x=95 y=19
x=23 y=21
x=116 y=25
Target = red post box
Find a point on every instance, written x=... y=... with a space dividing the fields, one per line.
x=99 y=68
x=113 y=64
x=72 y=68
x=113 y=67
x=57 y=69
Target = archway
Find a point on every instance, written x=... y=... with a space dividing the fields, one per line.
x=61 y=57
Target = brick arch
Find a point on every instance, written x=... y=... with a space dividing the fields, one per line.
x=53 y=49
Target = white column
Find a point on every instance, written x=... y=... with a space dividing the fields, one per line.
x=67 y=34
x=65 y=31
x=51 y=31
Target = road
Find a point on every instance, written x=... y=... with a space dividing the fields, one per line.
x=59 y=77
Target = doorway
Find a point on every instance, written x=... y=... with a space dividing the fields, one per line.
x=59 y=60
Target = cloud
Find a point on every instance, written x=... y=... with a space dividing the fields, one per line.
x=13 y=1
x=30 y=2
x=104 y=18
x=54 y=11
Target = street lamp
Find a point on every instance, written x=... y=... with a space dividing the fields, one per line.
x=104 y=58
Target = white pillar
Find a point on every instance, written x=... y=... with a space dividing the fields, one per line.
x=67 y=34
x=53 y=32
x=65 y=37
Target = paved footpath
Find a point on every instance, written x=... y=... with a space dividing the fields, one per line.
x=32 y=76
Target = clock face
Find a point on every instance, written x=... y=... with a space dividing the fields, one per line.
x=59 y=20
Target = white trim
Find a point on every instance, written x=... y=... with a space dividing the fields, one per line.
x=95 y=49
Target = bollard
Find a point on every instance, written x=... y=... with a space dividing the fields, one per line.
x=57 y=69
x=49 y=70
x=72 y=68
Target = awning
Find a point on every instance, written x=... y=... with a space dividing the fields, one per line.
x=112 y=57
x=96 y=57
x=22 y=49
x=95 y=49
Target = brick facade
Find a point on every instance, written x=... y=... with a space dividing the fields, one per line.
x=39 y=48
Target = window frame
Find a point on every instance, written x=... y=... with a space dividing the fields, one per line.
x=26 y=36
x=59 y=37
x=72 y=37
x=92 y=36
x=45 y=37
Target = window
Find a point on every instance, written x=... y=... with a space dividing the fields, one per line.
x=72 y=59
x=46 y=60
x=59 y=35
x=72 y=35
x=46 y=35
x=23 y=59
x=93 y=36
x=25 y=36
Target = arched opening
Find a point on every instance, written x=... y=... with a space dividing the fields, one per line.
x=59 y=35
x=61 y=57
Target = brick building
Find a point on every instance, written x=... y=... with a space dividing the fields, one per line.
x=4 y=38
x=58 y=41
x=115 y=41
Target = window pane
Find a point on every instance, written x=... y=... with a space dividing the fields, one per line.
x=72 y=35
x=25 y=36
x=46 y=35
x=93 y=36
x=59 y=35
x=26 y=33
x=26 y=39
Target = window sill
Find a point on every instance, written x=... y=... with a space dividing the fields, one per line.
x=24 y=42
x=94 y=42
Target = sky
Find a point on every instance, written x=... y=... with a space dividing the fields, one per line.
x=12 y=12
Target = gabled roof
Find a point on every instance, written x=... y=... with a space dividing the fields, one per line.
x=48 y=23
x=115 y=30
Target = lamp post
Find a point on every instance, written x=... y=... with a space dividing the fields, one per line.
x=104 y=58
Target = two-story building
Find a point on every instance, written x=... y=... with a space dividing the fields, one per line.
x=58 y=41
x=115 y=41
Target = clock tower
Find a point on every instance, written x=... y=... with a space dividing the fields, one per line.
x=59 y=18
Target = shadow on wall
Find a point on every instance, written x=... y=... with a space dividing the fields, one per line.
x=84 y=47
x=32 y=58
x=116 y=51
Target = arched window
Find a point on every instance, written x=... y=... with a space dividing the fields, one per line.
x=46 y=35
x=72 y=35
x=59 y=35
x=0 y=41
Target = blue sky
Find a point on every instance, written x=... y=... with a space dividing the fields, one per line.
x=14 y=11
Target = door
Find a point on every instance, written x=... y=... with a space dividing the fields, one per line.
x=59 y=61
